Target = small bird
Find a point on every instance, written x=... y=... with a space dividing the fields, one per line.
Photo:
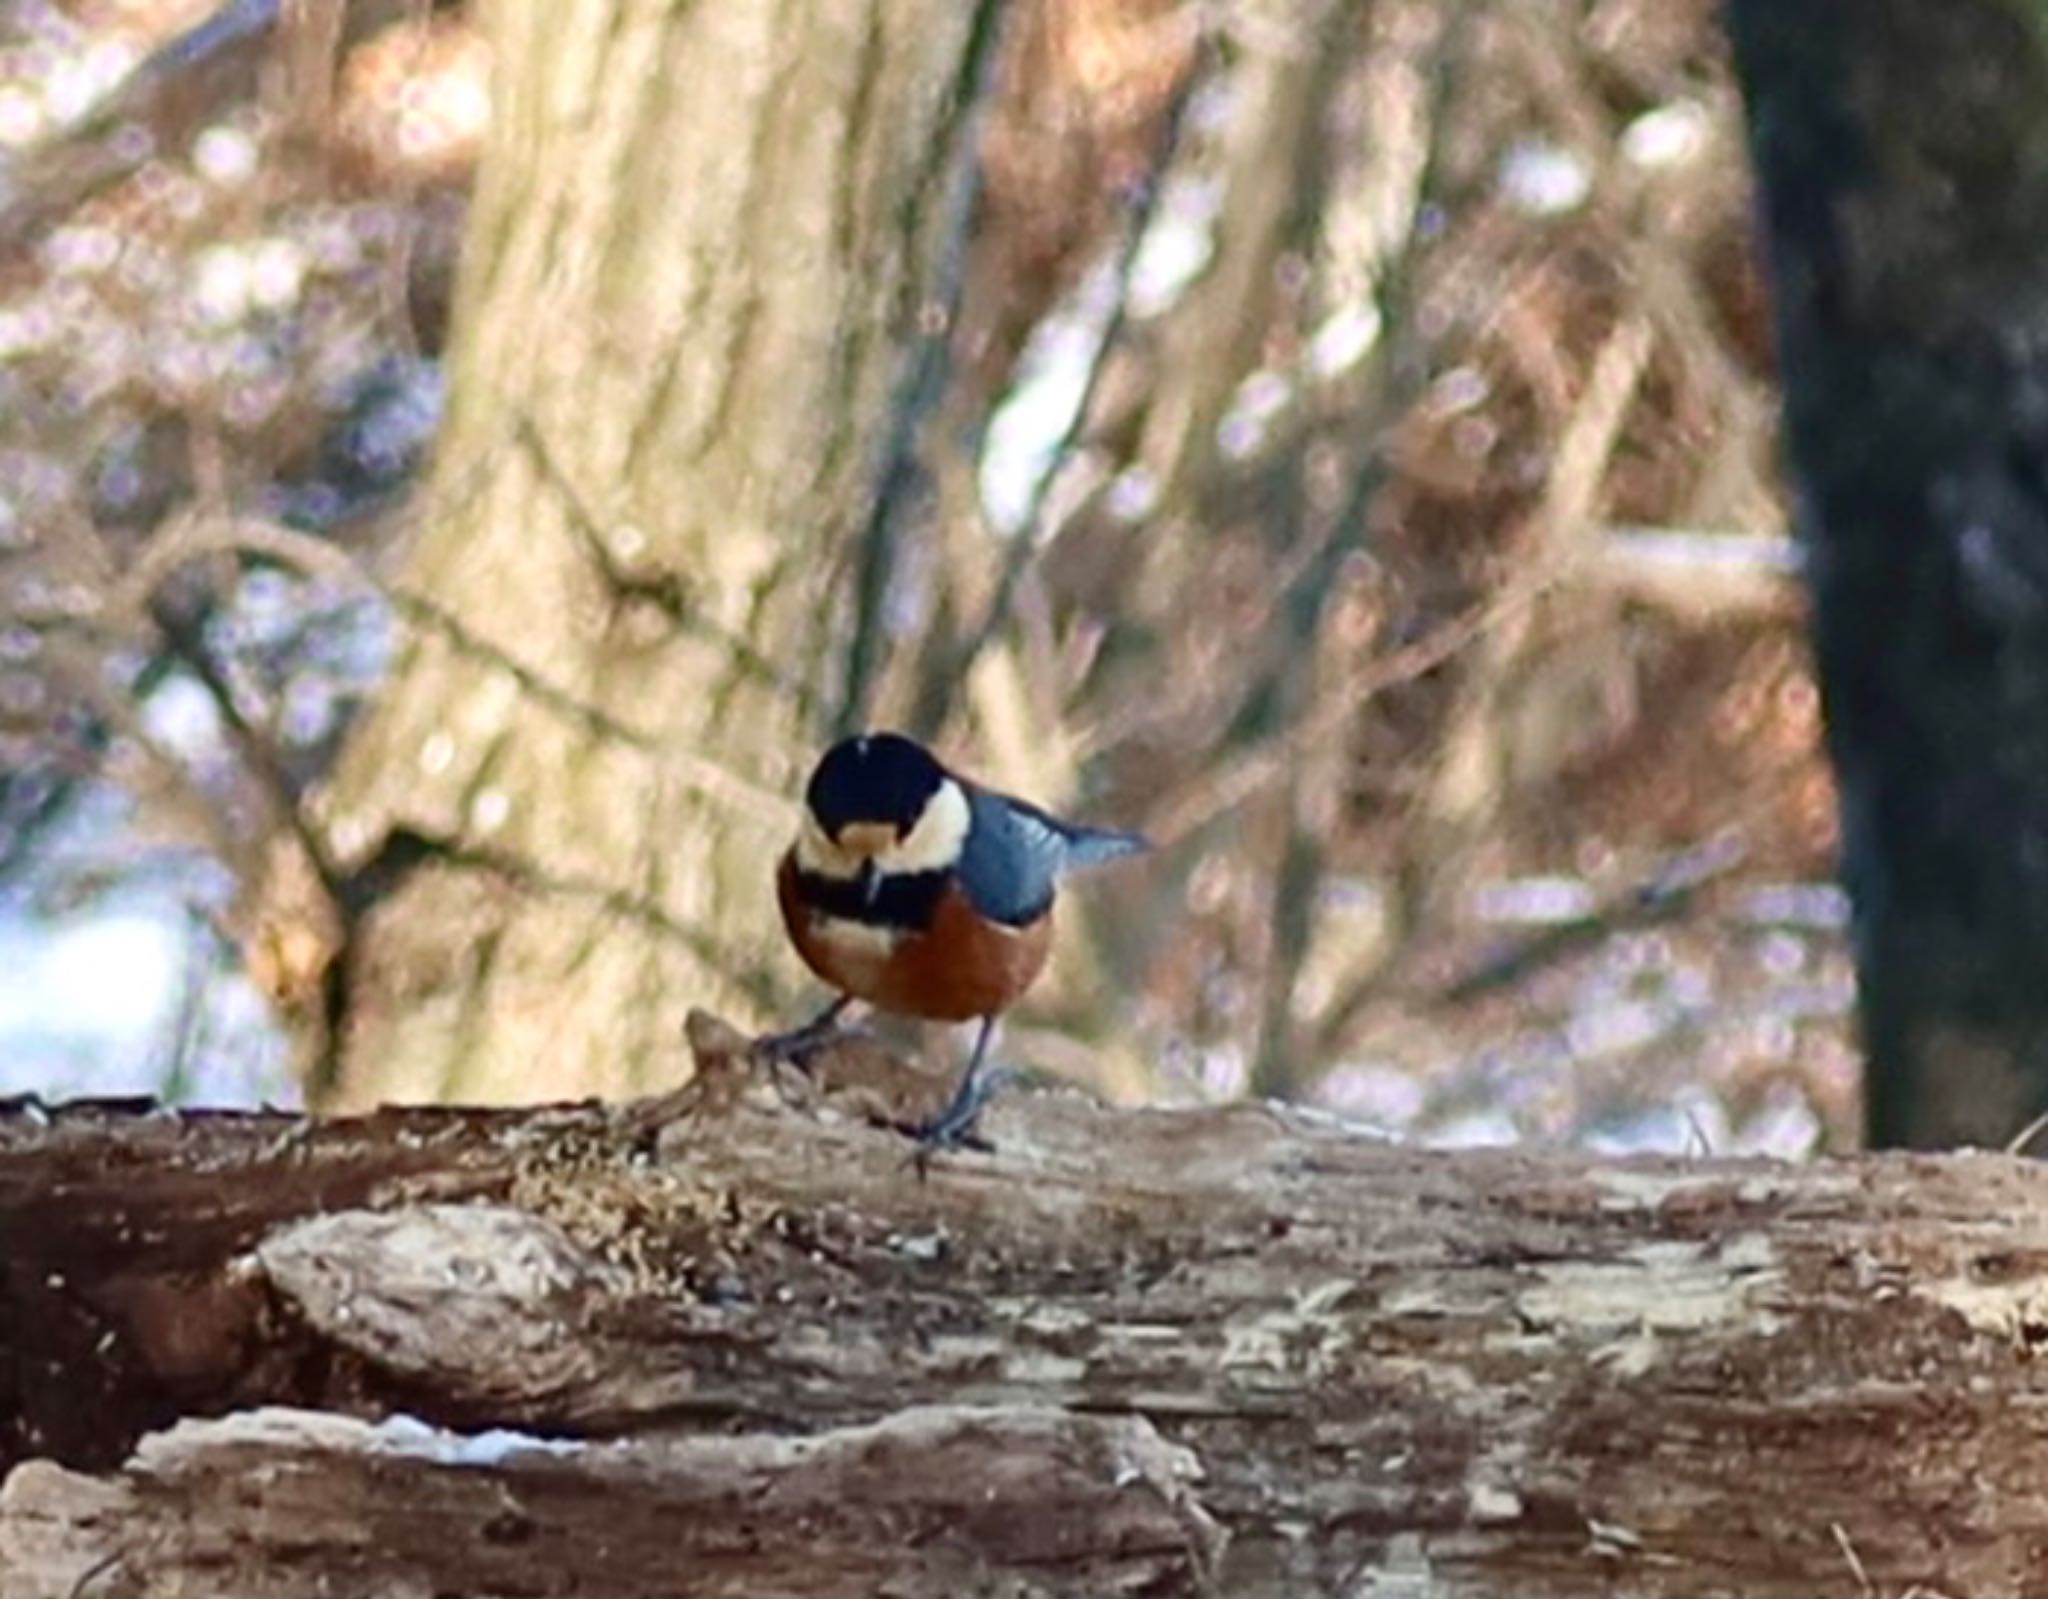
x=926 y=895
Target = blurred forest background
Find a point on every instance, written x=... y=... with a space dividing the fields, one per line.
x=1347 y=454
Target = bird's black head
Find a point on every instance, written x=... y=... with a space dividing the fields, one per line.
x=875 y=778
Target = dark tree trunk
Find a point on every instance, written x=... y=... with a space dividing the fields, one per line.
x=1902 y=152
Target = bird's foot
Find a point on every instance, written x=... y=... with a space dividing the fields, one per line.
x=958 y=1125
x=798 y=1044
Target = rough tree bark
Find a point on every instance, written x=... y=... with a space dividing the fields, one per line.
x=1239 y=1351
x=703 y=241
x=1902 y=151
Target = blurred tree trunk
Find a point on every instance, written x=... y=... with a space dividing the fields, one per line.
x=1902 y=150
x=702 y=240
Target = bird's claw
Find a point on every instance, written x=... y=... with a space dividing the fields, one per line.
x=798 y=1044
x=942 y=1133
x=958 y=1125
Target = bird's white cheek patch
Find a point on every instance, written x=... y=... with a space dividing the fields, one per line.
x=817 y=853
x=934 y=843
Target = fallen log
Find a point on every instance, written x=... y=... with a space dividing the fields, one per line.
x=735 y=1345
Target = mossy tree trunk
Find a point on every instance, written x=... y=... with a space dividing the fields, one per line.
x=1902 y=152
x=704 y=241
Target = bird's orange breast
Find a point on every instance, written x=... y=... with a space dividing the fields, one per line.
x=961 y=967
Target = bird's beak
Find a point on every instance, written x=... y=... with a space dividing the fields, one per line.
x=870 y=880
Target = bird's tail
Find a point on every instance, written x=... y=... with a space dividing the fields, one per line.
x=1091 y=846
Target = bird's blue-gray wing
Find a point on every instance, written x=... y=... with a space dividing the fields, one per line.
x=1010 y=860
x=1014 y=854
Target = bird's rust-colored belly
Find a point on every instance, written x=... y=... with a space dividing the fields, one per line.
x=961 y=967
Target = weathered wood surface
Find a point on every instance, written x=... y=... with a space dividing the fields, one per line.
x=1240 y=1350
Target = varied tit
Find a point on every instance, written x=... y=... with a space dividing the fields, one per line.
x=926 y=895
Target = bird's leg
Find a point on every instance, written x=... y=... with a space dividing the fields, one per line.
x=953 y=1127
x=800 y=1042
